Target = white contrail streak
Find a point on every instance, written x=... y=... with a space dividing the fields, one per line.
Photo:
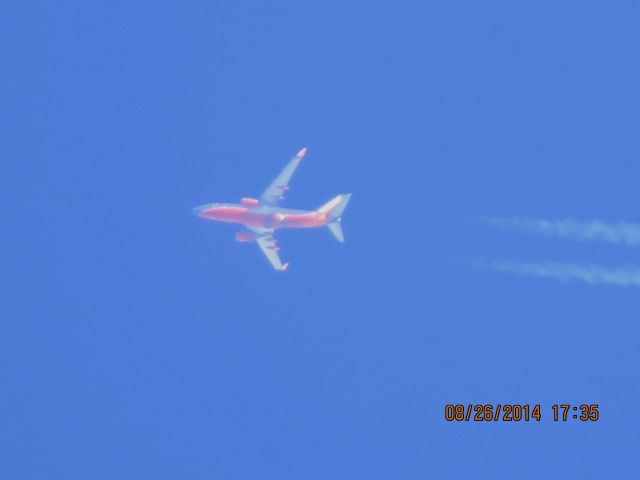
x=622 y=233
x=565 y=272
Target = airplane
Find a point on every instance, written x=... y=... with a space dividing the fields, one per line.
x=262 y=216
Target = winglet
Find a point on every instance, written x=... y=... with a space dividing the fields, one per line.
x=284 y=267
x=302 y=153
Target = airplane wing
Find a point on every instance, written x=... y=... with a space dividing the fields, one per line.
x=274 y=192
x=269 y=246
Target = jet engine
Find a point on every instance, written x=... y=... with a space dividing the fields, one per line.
x=244 y=237
x=249 y=202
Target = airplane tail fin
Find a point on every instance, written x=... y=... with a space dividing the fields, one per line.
x=336 y=229
x=335 y=208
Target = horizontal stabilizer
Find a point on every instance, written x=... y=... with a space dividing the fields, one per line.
x=335 y=207
x=336 y=229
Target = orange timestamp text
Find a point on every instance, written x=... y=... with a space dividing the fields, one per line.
x=515 y=412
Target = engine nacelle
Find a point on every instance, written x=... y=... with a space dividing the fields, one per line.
x=249 y=202
x=244 y=237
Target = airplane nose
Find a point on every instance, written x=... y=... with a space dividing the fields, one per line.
x=198 y=210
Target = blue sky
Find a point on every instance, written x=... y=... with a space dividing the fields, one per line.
x=137 y=341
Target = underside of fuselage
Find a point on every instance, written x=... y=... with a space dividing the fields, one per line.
x=263 y=216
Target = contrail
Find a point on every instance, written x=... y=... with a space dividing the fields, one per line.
x=620 y=233
x=565 y=272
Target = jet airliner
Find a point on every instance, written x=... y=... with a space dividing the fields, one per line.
x=262 y=216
